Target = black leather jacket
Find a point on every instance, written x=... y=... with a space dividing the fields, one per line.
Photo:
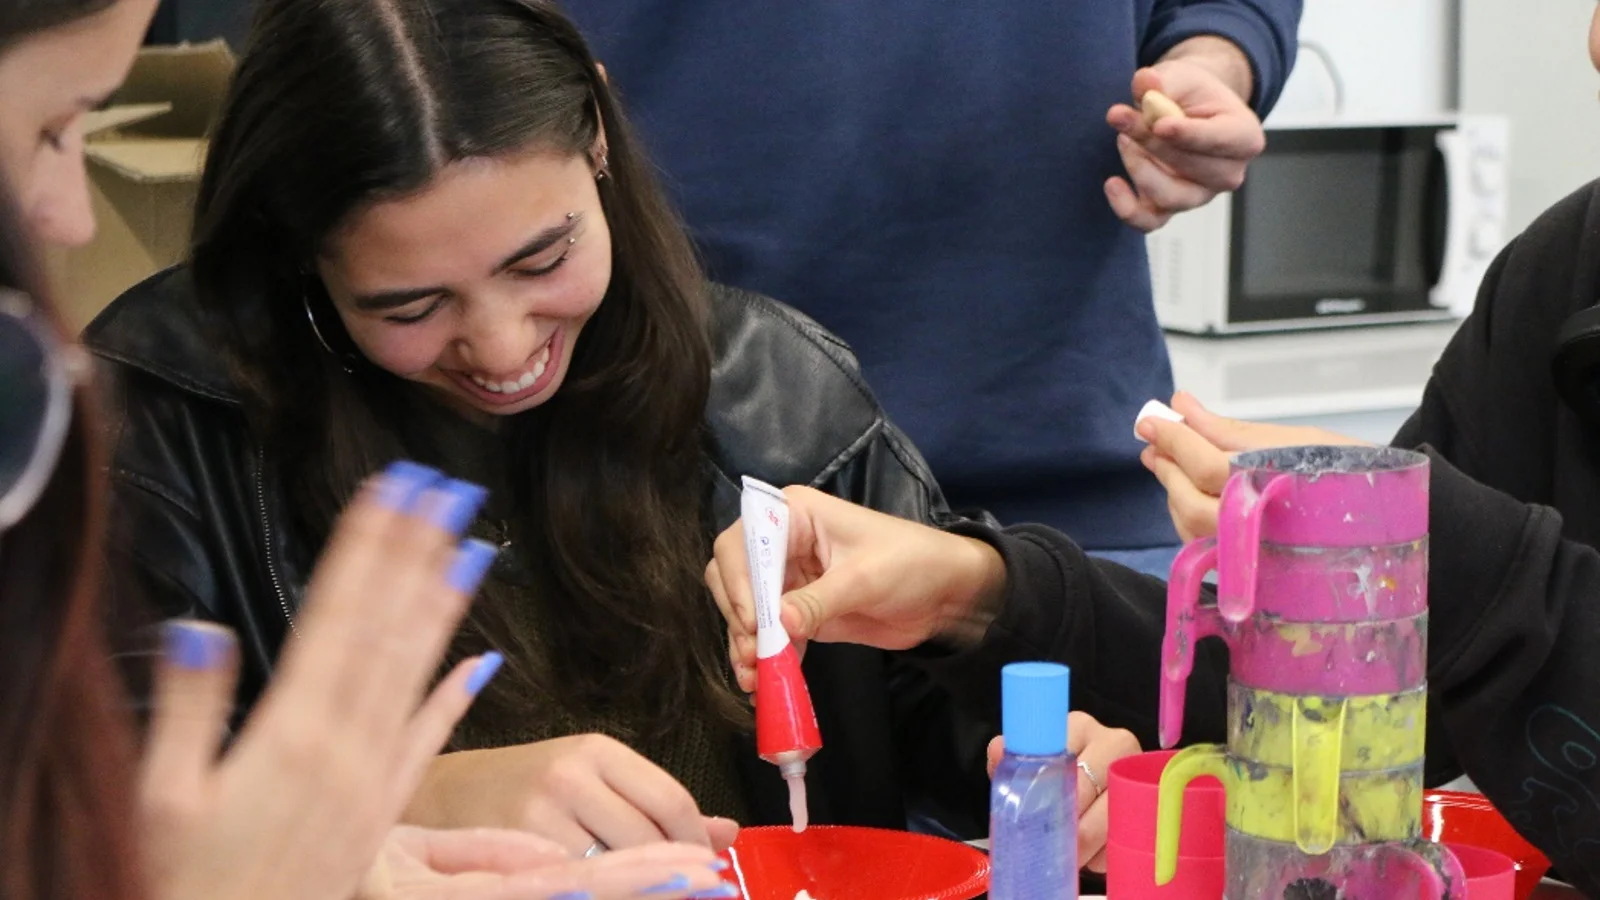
x=197 y=531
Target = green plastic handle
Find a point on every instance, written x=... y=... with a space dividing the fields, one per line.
x=1317 y=735
x=1184 y=767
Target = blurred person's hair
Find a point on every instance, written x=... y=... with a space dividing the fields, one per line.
x=66 y=764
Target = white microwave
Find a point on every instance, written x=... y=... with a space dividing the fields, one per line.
x=1340 y=224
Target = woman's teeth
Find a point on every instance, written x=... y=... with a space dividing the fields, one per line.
x=522 y=383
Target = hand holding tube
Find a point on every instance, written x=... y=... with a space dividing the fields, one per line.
x=859 y=576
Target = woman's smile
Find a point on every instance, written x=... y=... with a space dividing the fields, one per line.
x=514 y=387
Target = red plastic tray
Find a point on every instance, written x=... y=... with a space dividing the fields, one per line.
x=846 y=863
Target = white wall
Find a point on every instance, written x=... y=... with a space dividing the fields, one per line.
x=1396 y=59
x=1529 y=60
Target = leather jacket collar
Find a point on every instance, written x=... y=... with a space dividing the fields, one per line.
x=156 y=328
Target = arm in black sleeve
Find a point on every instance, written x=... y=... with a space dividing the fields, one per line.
x=1103 y=620
x=1513 y=626
x=1514 y=574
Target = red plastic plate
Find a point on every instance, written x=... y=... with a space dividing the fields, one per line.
x=1458 y=818
x=845 y=863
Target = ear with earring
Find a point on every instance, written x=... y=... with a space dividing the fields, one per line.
x=346 y=361
x=602 y=165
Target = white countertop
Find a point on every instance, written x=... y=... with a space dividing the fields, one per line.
x=1309 y=373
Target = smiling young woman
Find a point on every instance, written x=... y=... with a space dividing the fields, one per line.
x=478 y=286
x=425 y=230
x=303 y=800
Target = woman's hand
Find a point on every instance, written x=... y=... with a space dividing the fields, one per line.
x=858 y=576
x=1191 y=457
x=491 y=864
x=576 y=791
x=300 y=804
x=1096 y=747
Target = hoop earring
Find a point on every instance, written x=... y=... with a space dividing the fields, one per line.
x=343 y=358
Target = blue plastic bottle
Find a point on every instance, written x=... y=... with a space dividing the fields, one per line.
x=1033 y=801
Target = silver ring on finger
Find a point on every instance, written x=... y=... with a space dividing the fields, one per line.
x=1094 y=780
x=595 y=849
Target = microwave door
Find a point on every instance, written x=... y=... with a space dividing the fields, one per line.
x=1337 y=225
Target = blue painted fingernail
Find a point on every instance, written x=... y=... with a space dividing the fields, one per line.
x=722 y=891
x=403 y=482
x=719 y=865
x=196 y=645
x=487 y=666
x=454 y=504
x=677 y=884
x=472 y=562
x=574 y=895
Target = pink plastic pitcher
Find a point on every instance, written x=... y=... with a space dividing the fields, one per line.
x=1321 y=561
x=1265 y=870
x=1322 y=585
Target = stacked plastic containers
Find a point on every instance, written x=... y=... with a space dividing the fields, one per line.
x=1322 y=569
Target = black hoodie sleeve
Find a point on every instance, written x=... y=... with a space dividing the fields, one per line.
x=1103 y=620
x=1513 y=667
x=1514 y=582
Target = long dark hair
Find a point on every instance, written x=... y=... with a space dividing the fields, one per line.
x=341 y=103
x=66 y=812
x=22 y=18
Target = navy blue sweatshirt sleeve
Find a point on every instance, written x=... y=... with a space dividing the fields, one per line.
x=1266 y=30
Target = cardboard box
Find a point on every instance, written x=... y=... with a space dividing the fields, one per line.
x=145 y=153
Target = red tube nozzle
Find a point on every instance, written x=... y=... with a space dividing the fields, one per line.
x=786 y=725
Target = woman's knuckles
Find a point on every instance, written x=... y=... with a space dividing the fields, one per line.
x=567 y=778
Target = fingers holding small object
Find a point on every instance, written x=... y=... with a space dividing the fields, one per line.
x=1155 y=106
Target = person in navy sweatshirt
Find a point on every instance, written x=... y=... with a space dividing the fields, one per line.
x=950 y=187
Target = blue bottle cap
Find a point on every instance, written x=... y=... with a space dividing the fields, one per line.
x=1035 y=698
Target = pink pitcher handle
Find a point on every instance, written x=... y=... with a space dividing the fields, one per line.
x=1187 y=623
x=1239 y=537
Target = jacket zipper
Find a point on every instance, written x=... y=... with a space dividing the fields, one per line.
x=266 y=537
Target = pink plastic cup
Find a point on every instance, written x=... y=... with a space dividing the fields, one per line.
x=1342 y=584
x=1331 y=496
x=1490 y=875
x=1134 y=785
x=1131 y=875
x=1350 y=658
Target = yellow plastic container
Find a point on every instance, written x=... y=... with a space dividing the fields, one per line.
x=1382 y=732
x=1314 y=814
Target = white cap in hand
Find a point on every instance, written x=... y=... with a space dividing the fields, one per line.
x=1159 y=410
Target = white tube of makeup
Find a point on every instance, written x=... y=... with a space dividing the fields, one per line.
x=786 y=725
